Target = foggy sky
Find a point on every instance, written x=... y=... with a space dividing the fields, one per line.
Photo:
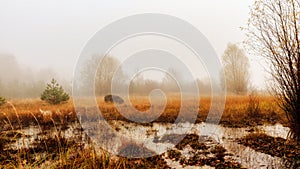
x=42 y=34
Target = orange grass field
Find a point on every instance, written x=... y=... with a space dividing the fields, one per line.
x=24 y=112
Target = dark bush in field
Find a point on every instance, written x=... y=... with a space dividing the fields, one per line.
x=113 y=98
x=54 y=93
x=2 y=101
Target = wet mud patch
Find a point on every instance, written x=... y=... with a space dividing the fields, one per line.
x=288 y=150
x=196 y=151
x=169 y=138
x=150 y=162
x=134 y=150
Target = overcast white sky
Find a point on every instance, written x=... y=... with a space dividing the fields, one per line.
x=52 y=33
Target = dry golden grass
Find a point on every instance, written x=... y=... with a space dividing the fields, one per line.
x=235 y=112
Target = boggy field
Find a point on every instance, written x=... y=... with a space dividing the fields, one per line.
x=252 y=133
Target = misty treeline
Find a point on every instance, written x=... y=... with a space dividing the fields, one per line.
x=110 y=68
x=19 y=81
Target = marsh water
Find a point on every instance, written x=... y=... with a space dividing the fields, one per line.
x=152 y=138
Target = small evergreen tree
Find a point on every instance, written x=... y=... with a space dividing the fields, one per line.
x=2 y=101
x=54 y=93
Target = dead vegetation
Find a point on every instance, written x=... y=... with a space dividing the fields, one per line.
x=239 y=111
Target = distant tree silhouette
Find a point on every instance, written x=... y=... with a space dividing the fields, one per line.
x=236 y=70
x=106 y=70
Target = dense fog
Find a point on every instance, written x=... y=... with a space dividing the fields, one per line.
x=20 y=81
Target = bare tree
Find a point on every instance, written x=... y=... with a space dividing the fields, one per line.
x=106 y=70
x=273 y=32
x=236 y=70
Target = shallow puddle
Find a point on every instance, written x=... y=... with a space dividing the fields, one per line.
x=246 y=156
x=159 y=138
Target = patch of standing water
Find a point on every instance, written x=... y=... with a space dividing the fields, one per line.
x=29 y=136
x=35 y=133
x=225 y=136
x=148 y=134
x=277 y=130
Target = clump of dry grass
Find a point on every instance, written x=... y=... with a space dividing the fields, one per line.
x=29 y=113
x=58 y=154
x=61 y=153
